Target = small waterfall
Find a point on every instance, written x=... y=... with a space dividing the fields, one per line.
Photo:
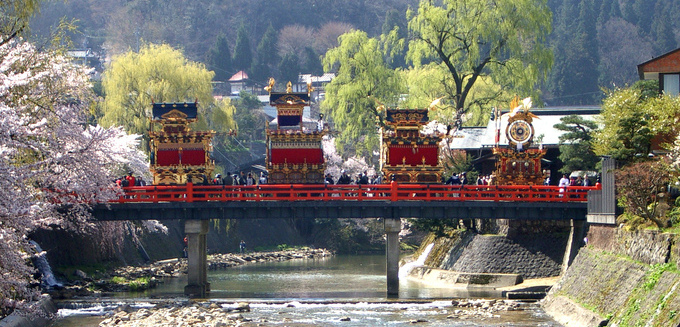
x=40 y=262
x=406 y=269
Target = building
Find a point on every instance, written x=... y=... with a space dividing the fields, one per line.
x=238 y=82
x=665 y=69
x=479 y=142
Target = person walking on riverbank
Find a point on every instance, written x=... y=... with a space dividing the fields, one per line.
x=242 y=247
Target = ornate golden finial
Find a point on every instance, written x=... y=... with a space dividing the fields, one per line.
x=310 y=88
x=270 y=85
x=433 y=105
x=289 y=87
x=514 y=103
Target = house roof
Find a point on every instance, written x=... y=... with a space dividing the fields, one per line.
x=668 y=62
x=309 y=78
x=239 y=77
x=467 y=138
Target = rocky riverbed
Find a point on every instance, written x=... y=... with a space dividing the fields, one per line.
x=138 y=278
x=240 y=314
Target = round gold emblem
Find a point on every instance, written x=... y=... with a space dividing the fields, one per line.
x=520 y=132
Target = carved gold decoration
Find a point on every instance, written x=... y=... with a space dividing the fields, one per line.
x=270 y=85
x=289 y=87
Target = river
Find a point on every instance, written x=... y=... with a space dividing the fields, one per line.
x=319 y=293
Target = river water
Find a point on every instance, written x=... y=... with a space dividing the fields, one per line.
x=318 y=293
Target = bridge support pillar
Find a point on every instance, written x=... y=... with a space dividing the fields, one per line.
x=197 y=273
x=573 y=243
x=392 y=229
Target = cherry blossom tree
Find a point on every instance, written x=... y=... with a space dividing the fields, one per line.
x=53 y=165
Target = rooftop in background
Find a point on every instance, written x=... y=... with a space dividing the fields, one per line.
x=468 y=138
x=239 y=77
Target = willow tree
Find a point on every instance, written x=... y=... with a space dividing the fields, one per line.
x=474 y=39
x=157 y=73
x=362 y=78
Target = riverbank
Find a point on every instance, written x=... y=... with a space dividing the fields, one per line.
x=620 y=278
x=139 y=278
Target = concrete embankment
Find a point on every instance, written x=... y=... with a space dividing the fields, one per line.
x=470 y=260
x=620 y=279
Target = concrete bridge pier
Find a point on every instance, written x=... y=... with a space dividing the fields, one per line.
x=392 y=229
x=197 y=273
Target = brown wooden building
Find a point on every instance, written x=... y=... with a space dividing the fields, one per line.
x=664 y=68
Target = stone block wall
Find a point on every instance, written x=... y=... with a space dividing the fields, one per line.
x=619 y=279
x=647 y=246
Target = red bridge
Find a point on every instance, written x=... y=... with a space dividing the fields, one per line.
x=379 y=192
x=197 y=204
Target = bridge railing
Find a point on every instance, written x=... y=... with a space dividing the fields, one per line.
x=380 y=192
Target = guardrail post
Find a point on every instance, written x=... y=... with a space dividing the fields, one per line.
x=393 y=195
x=190 y=192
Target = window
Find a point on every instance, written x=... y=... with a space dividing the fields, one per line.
x=671 y=84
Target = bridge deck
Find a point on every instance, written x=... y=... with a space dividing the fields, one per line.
x=346 y=201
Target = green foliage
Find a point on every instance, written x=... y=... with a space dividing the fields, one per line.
x=439 y=227
x=312 y=63
x=575 y=46
x=575 y=145
x=625 y=134
x=243 y=55
x=361 y=72
x=475 y=38
x=249 y=117
x=14 y=17
x=219 y=59
x=266 y=56
x=157 y=73
x=289 y=68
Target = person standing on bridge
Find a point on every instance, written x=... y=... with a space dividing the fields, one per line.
x=564 y=183
x=130 y=179
x=227 y=180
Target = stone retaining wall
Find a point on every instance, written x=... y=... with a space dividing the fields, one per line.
x=647 y=246
x=619 y=279
x=532 y=256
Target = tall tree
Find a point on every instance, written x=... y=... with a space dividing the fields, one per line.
x=471 y=39
x=289 y=68
x=574 y=79
x=243 y=54
x=312 y=63
x=14 y=17
x=157 y=73
x=266 y=57
x=294 y=38
x=53 y=163
x=219 y=59
x=396 y=23
x=662 y=29
x=627 y=131
x=362 y=77
x=576 y=152
x=620 y=45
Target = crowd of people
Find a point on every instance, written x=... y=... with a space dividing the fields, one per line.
x=360 y=179
x=250 y=179
x=130 y=180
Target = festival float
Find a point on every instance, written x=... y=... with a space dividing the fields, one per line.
x=294 y=152
x=407 y=154
x=178 y=154
x=518 y=163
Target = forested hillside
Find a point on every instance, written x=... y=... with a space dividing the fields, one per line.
x=596 y=43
